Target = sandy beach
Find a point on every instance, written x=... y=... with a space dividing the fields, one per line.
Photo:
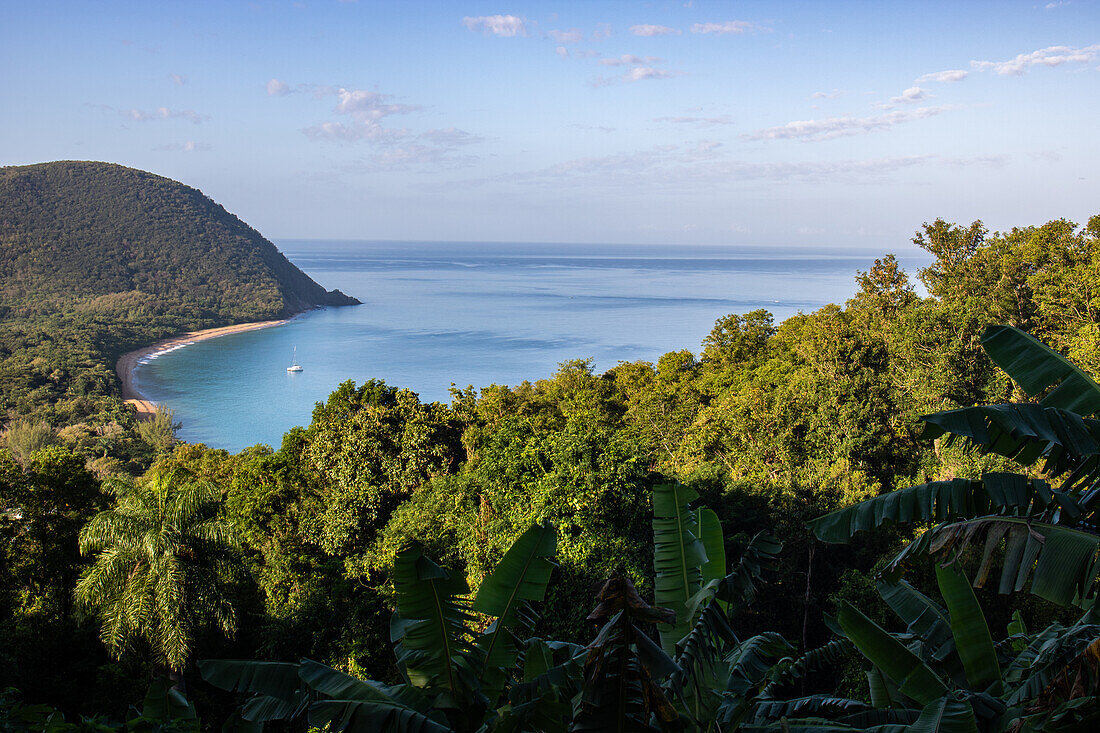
x=128 y=362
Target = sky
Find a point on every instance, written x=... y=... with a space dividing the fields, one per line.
x=839 y=124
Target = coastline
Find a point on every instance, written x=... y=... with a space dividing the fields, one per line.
x=129 y=362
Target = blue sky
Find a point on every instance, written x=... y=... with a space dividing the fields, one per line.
x=782 y=123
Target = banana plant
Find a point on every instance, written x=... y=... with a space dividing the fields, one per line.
x=945 y=674
x=623 y=666
x=1041 y=533
x=717 y=676
x=453 y=677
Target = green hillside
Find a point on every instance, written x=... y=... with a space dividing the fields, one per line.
x=97 y=259
x=98 y=237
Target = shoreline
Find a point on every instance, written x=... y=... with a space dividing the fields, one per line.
x=129 y=362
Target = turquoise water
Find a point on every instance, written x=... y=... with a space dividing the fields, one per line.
x=473 y=314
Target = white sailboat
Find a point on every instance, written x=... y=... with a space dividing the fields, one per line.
x=294 y=366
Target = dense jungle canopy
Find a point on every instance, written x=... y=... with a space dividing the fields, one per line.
x=770 y=425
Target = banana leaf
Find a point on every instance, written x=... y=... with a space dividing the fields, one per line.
x=938 y=501
x=518 y=579
x=807 y=707
x=164 y=704
x=787 y=672
x=678 y=558
x=1063 y=560
x=1036 y=367
x=1048 y=657
x=923 y=617
x=973 y=641
x=748 y=665
x=948 y=714
x=279 y=691
x=913 y=677
x=430 y=630
x=367 y=716
x=712 y=608
x=1026 y=433
x=350 y=703
x=714 y=544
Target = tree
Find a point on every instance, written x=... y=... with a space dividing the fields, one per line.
x=1050 y=534
x=454 y=677
x=162 y=562
x=160 y=431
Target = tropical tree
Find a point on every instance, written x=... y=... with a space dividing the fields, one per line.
x=945 y=673
x=1044 y=527
x=162 y=562
x=453 y=676
x=456 y=678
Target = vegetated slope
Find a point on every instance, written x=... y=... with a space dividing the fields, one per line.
x=100 y=238
x=97 y=259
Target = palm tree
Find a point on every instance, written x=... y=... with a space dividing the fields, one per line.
x=162 y=558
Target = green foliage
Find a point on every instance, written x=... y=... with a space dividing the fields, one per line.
x=25 y=437
x=945 y=672
x=161 y=562
x=1054 y=531
x=160 y=430
x=770 y=426
x=452 y=675
x=678 y=558
x=99 y=259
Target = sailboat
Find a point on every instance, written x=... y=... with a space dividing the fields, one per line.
x=294 y=366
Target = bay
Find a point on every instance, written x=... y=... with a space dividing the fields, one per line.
x=437 y=313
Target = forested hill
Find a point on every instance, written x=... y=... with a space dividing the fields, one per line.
x=79 y=236
x=97 y=259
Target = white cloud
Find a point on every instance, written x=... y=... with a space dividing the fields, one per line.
x=1050 y=56
x=164 y=113
x=365 y=104
x=912 y=95
x=691 y=167
x=188 y=147
x=944 y=76
x=276 y=88
x=353 y=131
x=450 y=137
x=390 y=148
x=653 y=30
x=178 y=79
x=641 y=68
x=597 y=128
x=603 y=30
x=429 y=151
x=729 y=26
x=834 y=127
x=705 y=121
x=366 y=109
x=573 y=35
x=562 y=51
x=638 y=73
x=826 y=95
x=630 y=60
x=505 y=26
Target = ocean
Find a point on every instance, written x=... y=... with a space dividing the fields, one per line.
x=436 y=314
